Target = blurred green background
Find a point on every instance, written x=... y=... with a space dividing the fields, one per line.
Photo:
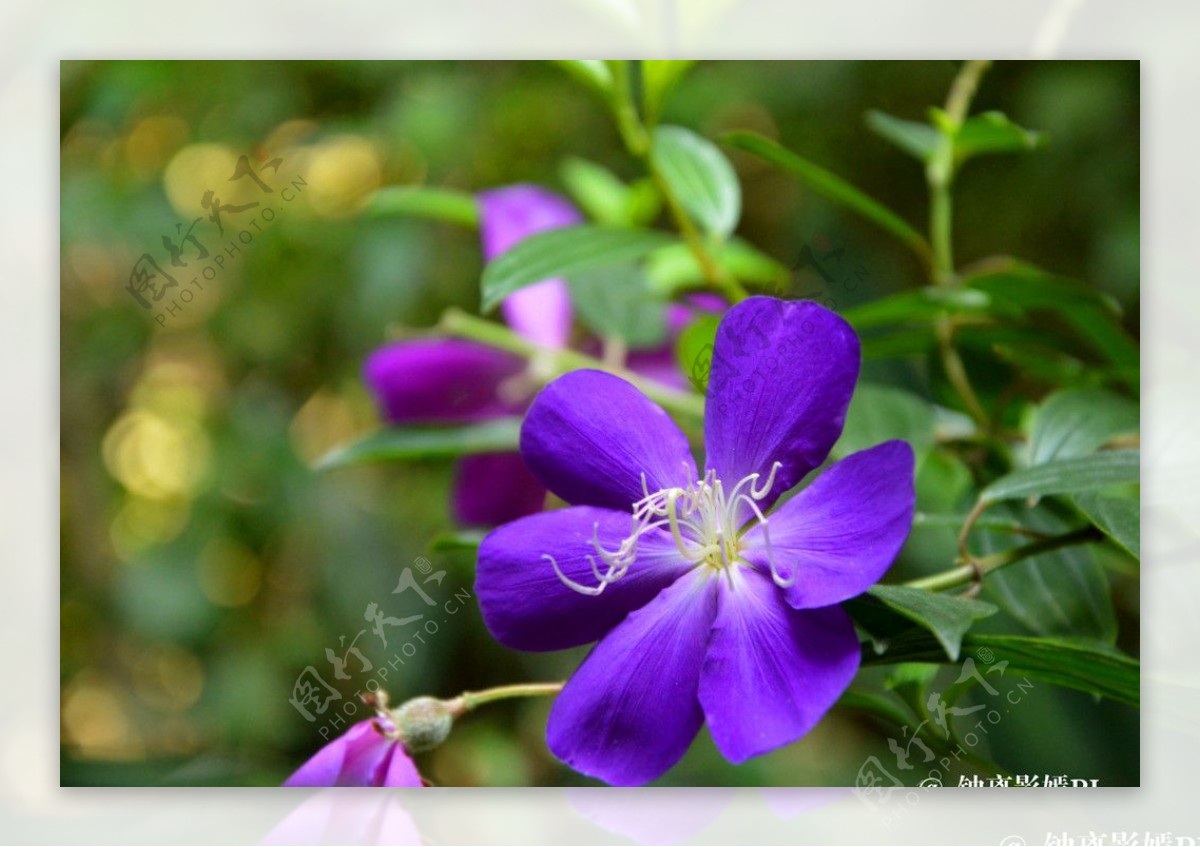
x=205 y=566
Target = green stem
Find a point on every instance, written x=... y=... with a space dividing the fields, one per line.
x=939 y=174
x=977 y=569
x=470 y=700
x=956 y=372
x=628 y=123
x=962 y=90
x=551 y=363
x=637 y=142
x=941 y=215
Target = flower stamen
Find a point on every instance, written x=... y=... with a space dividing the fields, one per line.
x=705 y=524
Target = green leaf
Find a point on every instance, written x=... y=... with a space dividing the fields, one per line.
x=593 y=73
x=1118 y=517
x=831 y=187
x=913 y=137
x=1079 y=664
x=878 y=413
x=694 y=350
x=924 y=306
x=946 y=616
x=1067 y=476
x=993 y=132
x=1076 y=422
x=700 y=176
x=467 y=540
x=659 y=76
x=616 y=303
x=422 y=442
x=602 y=196
x=608 y=200
x=1062 y=592
x=675 y=268
x=564 y=253
x=1094 y=318
x=443 y=204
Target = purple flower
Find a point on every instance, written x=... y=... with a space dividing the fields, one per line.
x=366 y=754
x=541 y=312
x=447 y=381
x=705 y=609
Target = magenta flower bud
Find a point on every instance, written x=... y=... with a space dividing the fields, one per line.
x=367 y=754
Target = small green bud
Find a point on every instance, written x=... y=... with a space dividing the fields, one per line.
x=423 y=723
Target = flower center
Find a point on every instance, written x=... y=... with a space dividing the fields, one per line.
x=706 y=523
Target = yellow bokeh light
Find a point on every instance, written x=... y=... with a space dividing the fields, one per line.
x=95 y=720
x=341 y=173
x=154 y=457
x=199 y=168
x=325 y=421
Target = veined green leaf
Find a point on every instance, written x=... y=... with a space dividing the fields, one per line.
x=700 y=176
x=1095 y=668
x=1093 y=317
x=422 y=442
x=1117 y=516
x=564 y=253
x=1067 y=476
x=1059 y=593
x=617 y=303
x=946 y=616
x=1076 y=422
x=878 y=413
x=443 y=204
x=831 y=187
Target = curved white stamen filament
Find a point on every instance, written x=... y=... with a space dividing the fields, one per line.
x=703 y=522
x=782 y=582
x=589 y=590
x=758 y=495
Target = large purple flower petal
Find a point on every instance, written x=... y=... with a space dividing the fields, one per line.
x=630 y=711
x=841 y=533
x=590 y=436
x=440 y=381
x=527 y=607
x=540 y=312
x=495 y=488
x=360 y=756
x=771 y=671
x=781 y=379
